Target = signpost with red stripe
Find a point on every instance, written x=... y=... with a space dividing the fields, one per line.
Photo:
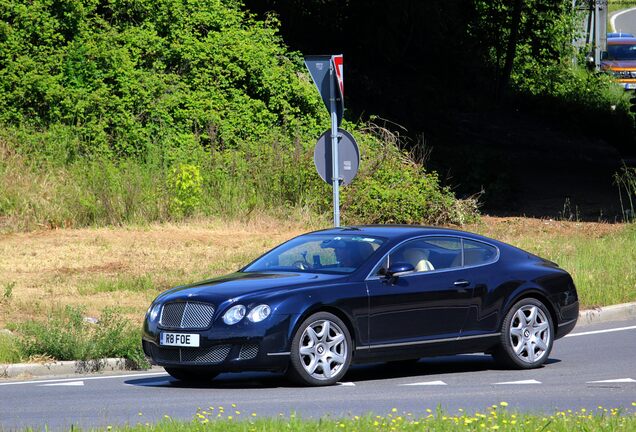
x=328 y=75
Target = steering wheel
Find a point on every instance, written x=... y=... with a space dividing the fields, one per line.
x=302 y=265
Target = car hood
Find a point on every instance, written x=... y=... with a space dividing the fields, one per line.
x=239 y=284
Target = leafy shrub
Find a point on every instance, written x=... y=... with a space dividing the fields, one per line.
x=184 y=183
x=66 y=336
x=133 y=112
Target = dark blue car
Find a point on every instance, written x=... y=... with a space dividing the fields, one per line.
x=326 y=299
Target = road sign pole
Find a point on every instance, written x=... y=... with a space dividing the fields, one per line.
x=335 y=181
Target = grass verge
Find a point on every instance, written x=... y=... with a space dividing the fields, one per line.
x=67 y=274
x=66 y=335
x=495 y=417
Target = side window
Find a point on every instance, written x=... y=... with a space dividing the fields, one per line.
x=426 y=254
x=476 y=253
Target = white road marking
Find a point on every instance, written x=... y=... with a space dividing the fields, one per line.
x=72 y=383
x=601 y=331
x=426 y=383
x=616 y=15
x=522 y=382
x=138 y=375
x=346 y=384
x=618 y=380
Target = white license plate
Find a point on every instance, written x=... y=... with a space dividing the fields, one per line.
x=179 y=339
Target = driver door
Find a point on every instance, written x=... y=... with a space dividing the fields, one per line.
x=430 y=303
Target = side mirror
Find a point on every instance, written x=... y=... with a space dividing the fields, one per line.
x=398 y=269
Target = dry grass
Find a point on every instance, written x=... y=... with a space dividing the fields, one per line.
x=127 y=267
x=78 y=266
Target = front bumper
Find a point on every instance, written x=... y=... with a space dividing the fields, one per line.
x=242 y=347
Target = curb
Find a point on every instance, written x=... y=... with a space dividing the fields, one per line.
x=619 y=312
x=65 y=367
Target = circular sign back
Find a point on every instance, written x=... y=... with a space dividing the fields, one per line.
x=348 y=157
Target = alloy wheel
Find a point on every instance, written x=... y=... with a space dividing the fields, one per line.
x=323 y=349
x=530 y=334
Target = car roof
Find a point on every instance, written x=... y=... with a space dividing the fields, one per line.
x=619 y=35
x=395 y=231
x=621 y=41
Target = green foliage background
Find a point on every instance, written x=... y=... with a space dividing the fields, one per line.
x=119 y=111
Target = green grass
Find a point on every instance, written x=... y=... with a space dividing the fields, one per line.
x=142 y=284
x=495 y=417
x=66 y=336
x=9 y=349
x=616 y=5
x=603 y=268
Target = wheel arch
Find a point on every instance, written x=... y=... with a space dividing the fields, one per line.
x=537 y=295
x=343 y=316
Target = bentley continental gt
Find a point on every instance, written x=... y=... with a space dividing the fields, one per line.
x=324 y=300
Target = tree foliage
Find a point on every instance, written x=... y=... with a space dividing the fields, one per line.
x=116 y=111
x=132 y=75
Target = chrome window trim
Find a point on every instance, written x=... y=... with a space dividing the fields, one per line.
x=453 y=339
x=371 y=276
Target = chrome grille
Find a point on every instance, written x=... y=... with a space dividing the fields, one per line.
x=210 y=355
x=180 y=315
x=248 y=351
x=214 y=354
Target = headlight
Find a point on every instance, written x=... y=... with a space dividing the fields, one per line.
x=234 y=314
x=259 y=313
x=153 y=311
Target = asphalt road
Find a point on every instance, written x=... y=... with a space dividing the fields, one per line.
x=625 y=21
x=585 y=370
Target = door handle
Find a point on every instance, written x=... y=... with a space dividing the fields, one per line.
x=461 y=283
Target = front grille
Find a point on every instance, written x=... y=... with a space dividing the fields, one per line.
x=169 y=355
x=248 y=351
x=210 y=355
x=186 y=315
x=214 y=354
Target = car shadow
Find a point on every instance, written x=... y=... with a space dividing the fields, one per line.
x=426 y=367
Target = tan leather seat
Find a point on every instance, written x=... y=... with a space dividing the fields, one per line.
x=418 y=258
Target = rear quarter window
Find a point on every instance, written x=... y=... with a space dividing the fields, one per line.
x=478 y=253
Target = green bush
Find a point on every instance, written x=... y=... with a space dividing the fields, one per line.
x=132 y=112
x=67 y=336
x=184 y=183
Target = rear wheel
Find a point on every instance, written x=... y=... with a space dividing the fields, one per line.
x=526 y=335
x=321 y=351
x=191 y=376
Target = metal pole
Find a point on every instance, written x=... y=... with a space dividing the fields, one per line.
x=335 y=180
x=597 y=36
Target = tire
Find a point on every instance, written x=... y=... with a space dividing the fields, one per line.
x=321 y=351
x=527 y=333
x=191 y=376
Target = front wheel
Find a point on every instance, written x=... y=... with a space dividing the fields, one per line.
x=321 y=351
x=191 y=376
x=526 y=335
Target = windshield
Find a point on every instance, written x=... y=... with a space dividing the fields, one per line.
x=621 y=52
x=318 y=253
